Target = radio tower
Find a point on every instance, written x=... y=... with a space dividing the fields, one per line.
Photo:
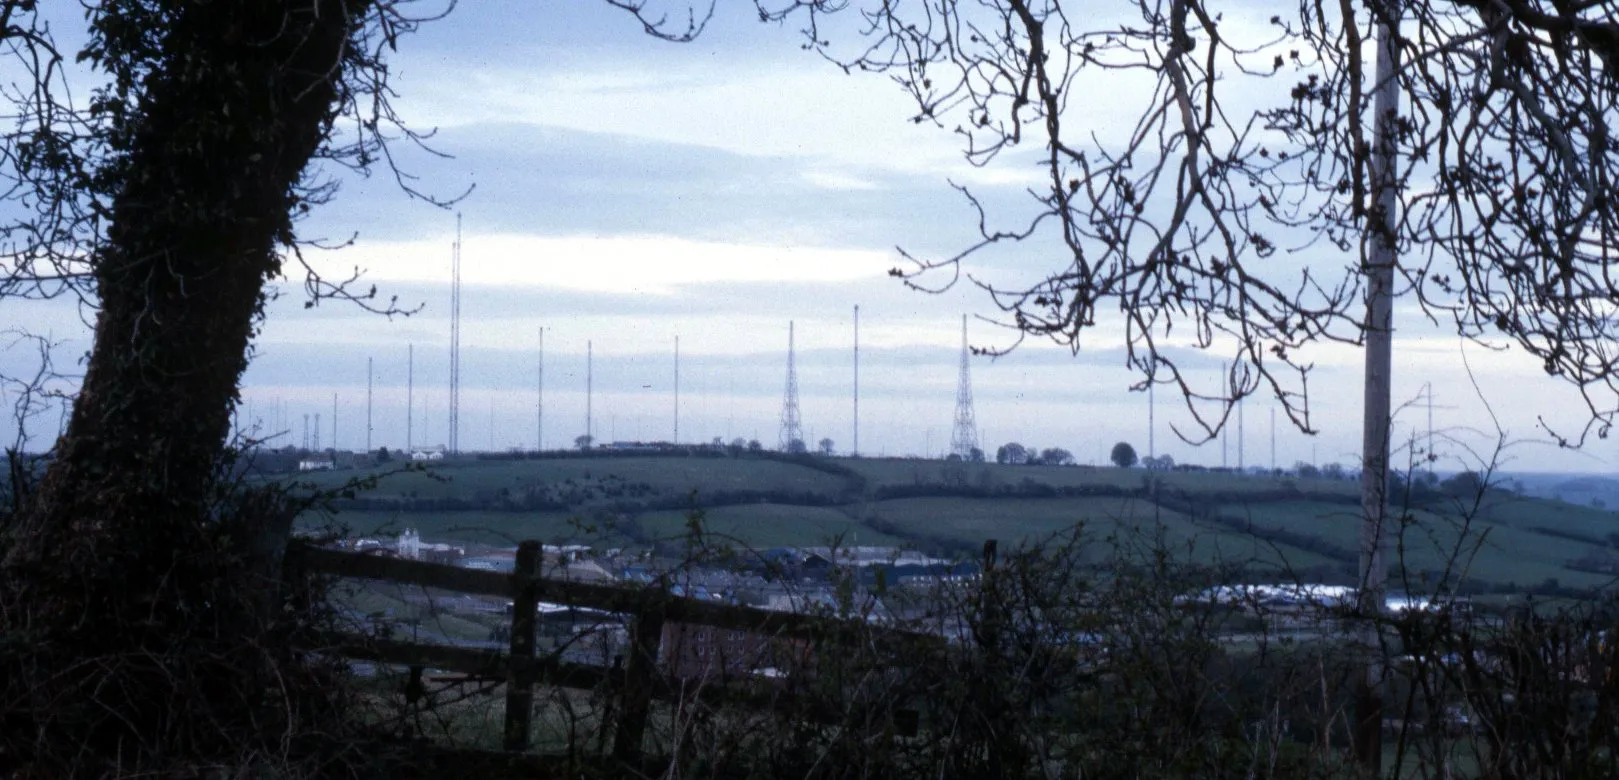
x=856 y=450
x=410 y=399
x=454 y=443
x=677 y=390
x=965 y=437
x=590 y=381
x=792 y=428
x=1241 y=445
x=539 y=402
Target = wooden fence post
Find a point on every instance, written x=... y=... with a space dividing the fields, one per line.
x=520 y=664
x=640 y=671
x=295 y=577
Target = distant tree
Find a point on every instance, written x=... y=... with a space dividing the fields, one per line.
x=739 y=443
x=1307 y=470
x=797 y=447
x=1056 y=456
x=1467 y=484
x=976 y=455
x=1012 y=453
x=583 y=441
x=1333 y=471
x=383 y=455
x=953 y=458
x=1123 y=455
x=1158 y=463
x=755 y=446
x=717 y=443
x=826 y=446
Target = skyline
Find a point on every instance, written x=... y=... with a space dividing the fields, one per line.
x=629 y=191
x=916 y=389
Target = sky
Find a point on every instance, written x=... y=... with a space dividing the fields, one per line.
x=626 y=192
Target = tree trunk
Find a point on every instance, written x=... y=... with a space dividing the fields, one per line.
x=242 y=96
x=114 y=555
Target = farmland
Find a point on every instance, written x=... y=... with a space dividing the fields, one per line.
x=1310 y=526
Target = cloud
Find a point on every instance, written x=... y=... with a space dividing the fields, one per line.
x=534 y=179
x=839 y=181
x=633 y=264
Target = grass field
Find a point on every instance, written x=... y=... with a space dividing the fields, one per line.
x=488 y=527
x=1498 y=546
x=762 y=526
x=894 y=471
x=1519 y=540
x=1133 y=521
x=663 y=475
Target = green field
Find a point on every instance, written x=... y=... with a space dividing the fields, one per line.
x=767 y=502
x=1129 y=520
x=1496 y=546
x=484 y=526
x=762 y=526
x=673 y=476
x=894 y=471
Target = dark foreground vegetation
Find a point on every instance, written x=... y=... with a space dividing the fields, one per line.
x=1099 y=651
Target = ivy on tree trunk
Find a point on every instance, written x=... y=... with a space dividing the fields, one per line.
x=220 y=107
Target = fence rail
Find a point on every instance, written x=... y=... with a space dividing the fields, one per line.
x=636 y=684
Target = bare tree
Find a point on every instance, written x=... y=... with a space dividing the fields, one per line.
x=165 y=200
x=1485 y=200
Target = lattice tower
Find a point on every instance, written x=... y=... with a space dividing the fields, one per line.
x=455 y=341
x=792 y=426
x=964 y=439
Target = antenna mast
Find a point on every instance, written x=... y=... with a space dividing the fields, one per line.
x=1152 y=420
x=965 y=437
x=590 y=379
x=1225 y=431
x=856 y=451
x=368 y=378
x=539 y=402
x=455 y=341
x=1241 y=428
x=677 y=390
x=410 y=399
x=792 y=429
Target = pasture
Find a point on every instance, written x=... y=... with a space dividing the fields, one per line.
x=760 y=502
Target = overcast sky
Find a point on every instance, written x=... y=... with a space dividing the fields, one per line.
x=628 y=191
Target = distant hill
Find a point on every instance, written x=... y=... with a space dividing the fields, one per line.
x=1594 y=490
x=1309 y=527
